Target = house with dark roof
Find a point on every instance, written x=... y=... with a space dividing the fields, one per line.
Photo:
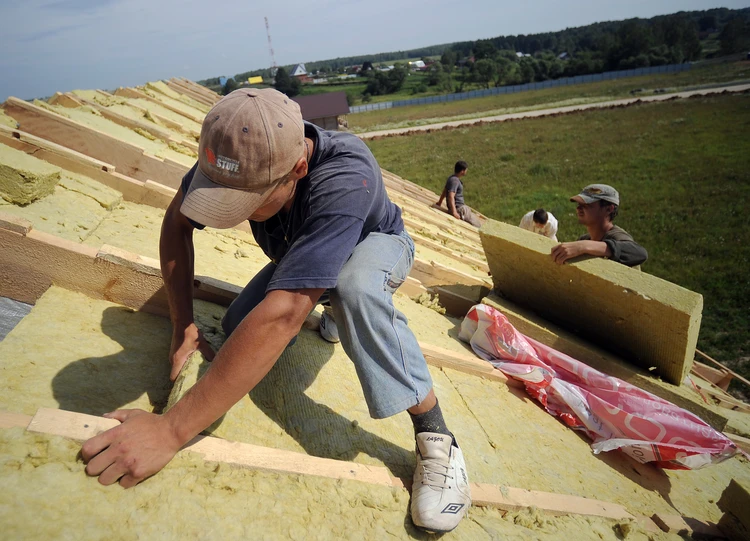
x=327 y=110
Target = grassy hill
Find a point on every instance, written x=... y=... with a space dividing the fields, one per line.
x=682 y=169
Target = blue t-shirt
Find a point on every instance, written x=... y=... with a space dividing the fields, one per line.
x=340 y=201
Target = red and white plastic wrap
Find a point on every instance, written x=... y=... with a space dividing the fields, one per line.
x=613 y=413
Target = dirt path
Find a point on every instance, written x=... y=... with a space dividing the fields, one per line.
x=554 y=111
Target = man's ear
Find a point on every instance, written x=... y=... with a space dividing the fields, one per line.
x=299 y=170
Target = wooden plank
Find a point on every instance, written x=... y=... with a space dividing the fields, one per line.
x=181 y=89
x=442 y=249
x=432 y=274
x=413 y=225
x=149 y=193
x=66 y=100
x=13 y=137
x=15 y=224
x=719 y=396
x=81 y=427
x=513 y=499
x=128 y=122
x=135 y=93
x=129 y=159
x=740 y=441
x=9 y=419
x=723 y=367
x=465 y=362
x=720 y=378
x=30 y=263
x=208 y=93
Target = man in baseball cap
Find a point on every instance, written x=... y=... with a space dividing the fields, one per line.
x=597 y=206
x=318 y=208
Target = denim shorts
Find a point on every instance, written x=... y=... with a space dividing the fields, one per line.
x=375 y=335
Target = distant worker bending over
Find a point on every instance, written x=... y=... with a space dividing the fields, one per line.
x=453 y=193
x=540 y=221
x=597 y=207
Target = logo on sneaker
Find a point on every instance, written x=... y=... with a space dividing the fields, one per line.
x=453 y=508
x=434 y=438
x=463 y=473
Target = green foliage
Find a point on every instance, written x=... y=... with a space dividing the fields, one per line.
x=681 y=169
x=230 y=86
x=286 y=84
x=382 y=82
x=485 y=71
x=735 y=36
x=707 y=73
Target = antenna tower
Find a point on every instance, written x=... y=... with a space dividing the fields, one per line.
x=274 y=67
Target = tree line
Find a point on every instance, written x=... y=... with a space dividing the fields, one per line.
x=594 y=48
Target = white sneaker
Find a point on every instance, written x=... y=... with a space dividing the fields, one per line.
x=440 y=494
x=328 y=329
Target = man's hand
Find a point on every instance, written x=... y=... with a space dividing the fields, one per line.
x=567 y=250
x=185 y=341
x=141 y=446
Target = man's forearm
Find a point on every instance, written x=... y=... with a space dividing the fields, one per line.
x=244 y=359
x=177 y=258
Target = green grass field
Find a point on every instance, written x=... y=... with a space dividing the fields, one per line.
x=682 y=169
x=401 y=117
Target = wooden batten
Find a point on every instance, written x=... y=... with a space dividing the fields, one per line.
x=129 y=159
x=209 y=94
x=432 y=274
x=127 y=122
x=66 y=100
x=135 y=93
x=185 y=90
x=81 y=427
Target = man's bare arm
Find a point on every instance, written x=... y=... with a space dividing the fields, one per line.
x=144 y=443
x=451 y=199
x=177 y=257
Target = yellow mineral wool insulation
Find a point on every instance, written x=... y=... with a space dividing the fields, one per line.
x=162 y=111
x=23 y=178
x=176 y=104
x=5 y=120
x=543 y=452
x=98 y=97
x=79 y=354
x=428 y=254
x=230 y=255
x=311 y=402
x=65 y=214
x=45 y=493
x=156 y=147
x=162 y=88
x=73 y=211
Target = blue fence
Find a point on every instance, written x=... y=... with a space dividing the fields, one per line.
x=512 y=89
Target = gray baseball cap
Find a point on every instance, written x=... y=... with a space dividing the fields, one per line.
x=597 y=192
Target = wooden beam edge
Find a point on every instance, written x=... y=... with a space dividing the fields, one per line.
x=80 y=427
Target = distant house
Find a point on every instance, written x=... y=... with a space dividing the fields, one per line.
x=300 y=73
x=519 y=54
x=417 y=64
x=327 y=110
x=563 y=56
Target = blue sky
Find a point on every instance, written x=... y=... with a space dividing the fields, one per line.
x=61 y=45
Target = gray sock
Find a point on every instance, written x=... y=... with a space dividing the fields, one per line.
x=430 y=421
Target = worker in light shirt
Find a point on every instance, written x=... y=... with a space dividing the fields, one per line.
x=540 y=221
